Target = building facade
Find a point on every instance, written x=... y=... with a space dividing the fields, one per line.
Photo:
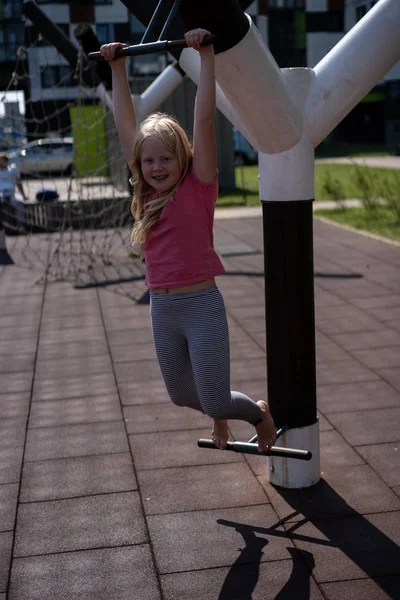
x=11 y=35
x=299 y=33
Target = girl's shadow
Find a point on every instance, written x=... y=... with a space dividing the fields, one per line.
x=243 y=575
x=242 y=580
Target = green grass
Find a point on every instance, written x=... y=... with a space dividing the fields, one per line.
x=247 y=183
x=246 y=190
x=329 y=150
x=340 y=182
x=382 y=221
x=346 y=175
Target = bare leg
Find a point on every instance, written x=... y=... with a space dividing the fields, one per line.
x=220 y=433
x=266 y=430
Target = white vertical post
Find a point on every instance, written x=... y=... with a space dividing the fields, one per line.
x=287 y=193
x=290 y=473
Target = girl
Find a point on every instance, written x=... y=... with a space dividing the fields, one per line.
x=175 y=190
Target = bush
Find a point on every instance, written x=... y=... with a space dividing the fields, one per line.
x=391 y=194
x=333 y=188
x=366 y=187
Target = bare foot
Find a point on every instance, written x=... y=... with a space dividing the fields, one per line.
x=266 y=430
x=220 y=433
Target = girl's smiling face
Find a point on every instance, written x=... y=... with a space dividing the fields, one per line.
x=160 y=167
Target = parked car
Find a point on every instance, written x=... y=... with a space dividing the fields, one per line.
x=245 y=154
x=45 y=156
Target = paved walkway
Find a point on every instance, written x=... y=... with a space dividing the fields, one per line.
x=104 y=494
x=386 y=162
x=256 y=211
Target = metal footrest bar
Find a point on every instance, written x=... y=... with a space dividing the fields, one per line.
x=252 y=448
x=151 y=48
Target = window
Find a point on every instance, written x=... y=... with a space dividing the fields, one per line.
x=105 y=33
x=11 y=37
x=335 y=21
x=361 y=11
x=287 y=39
x=300 y=29
x=56 y=75
x=332 y=21
x=10 y=9
x=393 y=91
x=121 y=33
x=287 y=4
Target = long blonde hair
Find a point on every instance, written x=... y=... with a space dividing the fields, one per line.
x=176 y=141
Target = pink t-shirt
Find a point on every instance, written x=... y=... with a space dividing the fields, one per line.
x=179 y=250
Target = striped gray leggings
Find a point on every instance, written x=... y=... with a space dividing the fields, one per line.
x=191 y=337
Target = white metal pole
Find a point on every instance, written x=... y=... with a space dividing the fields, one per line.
x=252 y=93
x=255 y=86
x=146 y=103
x=190 y=63
x=287 y=193
x=289 y=175
x=290 y=473
x=357 y=63
x=170 y=78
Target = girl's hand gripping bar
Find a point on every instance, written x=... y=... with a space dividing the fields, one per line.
x=151 y=48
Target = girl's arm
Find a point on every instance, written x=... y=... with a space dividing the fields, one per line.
x=204 y=143
x=123 y=108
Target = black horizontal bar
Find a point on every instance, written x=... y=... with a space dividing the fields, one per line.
x=246 y=448
x=151 y=48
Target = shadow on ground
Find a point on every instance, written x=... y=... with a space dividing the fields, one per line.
x=243 y=576
x=355 y=543
x=354 y=539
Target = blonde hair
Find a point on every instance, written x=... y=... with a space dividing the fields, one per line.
x=176 y=141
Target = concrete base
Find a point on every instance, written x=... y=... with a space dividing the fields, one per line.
x=291 y=473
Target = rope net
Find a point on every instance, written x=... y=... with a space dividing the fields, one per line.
x=75 y=224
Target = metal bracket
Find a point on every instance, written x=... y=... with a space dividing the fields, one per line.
x=160 y=45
